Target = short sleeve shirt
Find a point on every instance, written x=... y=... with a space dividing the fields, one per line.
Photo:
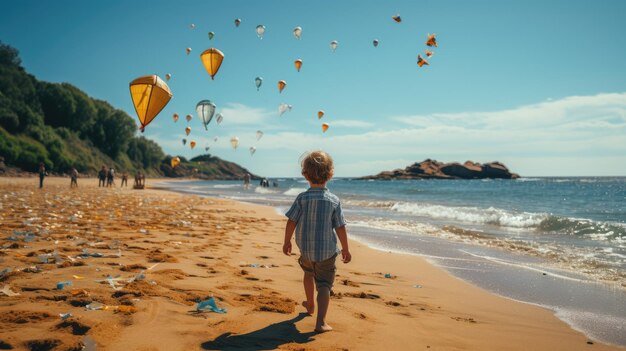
x=317 y=213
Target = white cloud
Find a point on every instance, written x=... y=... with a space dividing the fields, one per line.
x=351 y=123
x=236 y=113
x=560 y=135
x=554 y=113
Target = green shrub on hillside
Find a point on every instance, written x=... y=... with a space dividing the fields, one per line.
x=64 y=127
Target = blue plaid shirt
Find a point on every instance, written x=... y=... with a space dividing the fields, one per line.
x=317 y=212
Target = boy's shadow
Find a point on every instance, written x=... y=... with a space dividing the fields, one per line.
x=268 y=338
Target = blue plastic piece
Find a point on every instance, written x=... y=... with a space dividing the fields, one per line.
x=61 y=285
x=209 y=305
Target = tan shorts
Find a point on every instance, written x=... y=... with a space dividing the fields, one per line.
x=323 y=272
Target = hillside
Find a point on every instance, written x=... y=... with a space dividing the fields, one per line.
x=205 y=167
x=61 y=126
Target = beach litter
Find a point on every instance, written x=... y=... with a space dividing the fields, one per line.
x=417 y=286
x=94 y=306
x=86 y=254
x=79 y=292
x=32 y=269
x=65 y=316
x=113 y=282
x=387 y=275
x=256 y=265
x=139 y=276
x=209 y=305
x=5 y=271
x=62 y=285
x=21 y=235
x=89 y=344
x=45 y=258
x=7 y=291
x=181 y=223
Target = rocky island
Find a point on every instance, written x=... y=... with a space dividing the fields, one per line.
x=433 y=169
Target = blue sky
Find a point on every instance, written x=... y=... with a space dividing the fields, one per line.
x=538 y=85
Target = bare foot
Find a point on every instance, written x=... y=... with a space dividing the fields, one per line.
x=309 y=310
x=323 y=329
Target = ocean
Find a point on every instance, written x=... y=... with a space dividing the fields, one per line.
x=555 y=242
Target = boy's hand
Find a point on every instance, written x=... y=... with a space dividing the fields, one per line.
x=287 y=248
x=346 y=256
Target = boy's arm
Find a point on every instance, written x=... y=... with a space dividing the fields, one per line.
x=343 y=239
x=289 y=228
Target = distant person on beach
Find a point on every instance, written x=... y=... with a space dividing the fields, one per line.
x=246 y=181
x=139 y=181
x=124 y=179
x=74 y=178
x=110 y=177
x=42 y=174
x=102 y=176
x=317 y=219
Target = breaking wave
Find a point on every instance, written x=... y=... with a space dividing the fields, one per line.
x=294 y=191
x=543 y=222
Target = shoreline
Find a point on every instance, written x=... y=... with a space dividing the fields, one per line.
x=601 y=327
x=214 y=246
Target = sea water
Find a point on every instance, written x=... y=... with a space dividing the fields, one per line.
x=555 y=242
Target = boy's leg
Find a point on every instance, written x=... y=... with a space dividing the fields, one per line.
x=309 y=291
x=309 y=284
x=323 y=300
x=324 y=279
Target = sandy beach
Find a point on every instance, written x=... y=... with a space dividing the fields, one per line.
x=139 y=261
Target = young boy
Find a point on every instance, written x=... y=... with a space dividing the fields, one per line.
x=318 y=221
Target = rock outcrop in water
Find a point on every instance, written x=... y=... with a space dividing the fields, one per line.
x=433 y=169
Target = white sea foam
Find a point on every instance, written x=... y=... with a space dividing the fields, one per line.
x=593 y=324
x=294 y=191
x=491 y=215
x=226 y=186
x=262 y=190
x=366 y=203
x=407 y=227
x=527 y=179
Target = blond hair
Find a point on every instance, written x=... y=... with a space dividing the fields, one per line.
x=317 y=166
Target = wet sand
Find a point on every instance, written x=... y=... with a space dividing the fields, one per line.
x=163 y=252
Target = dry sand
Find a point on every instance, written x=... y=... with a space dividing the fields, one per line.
x=191 y=248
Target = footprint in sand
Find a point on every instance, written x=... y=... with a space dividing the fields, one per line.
x=44 y=344
x=467 y=320
x=348 y=282
x=22 y=317
x=266 y=303
x=362 y=295
x=76 y=327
